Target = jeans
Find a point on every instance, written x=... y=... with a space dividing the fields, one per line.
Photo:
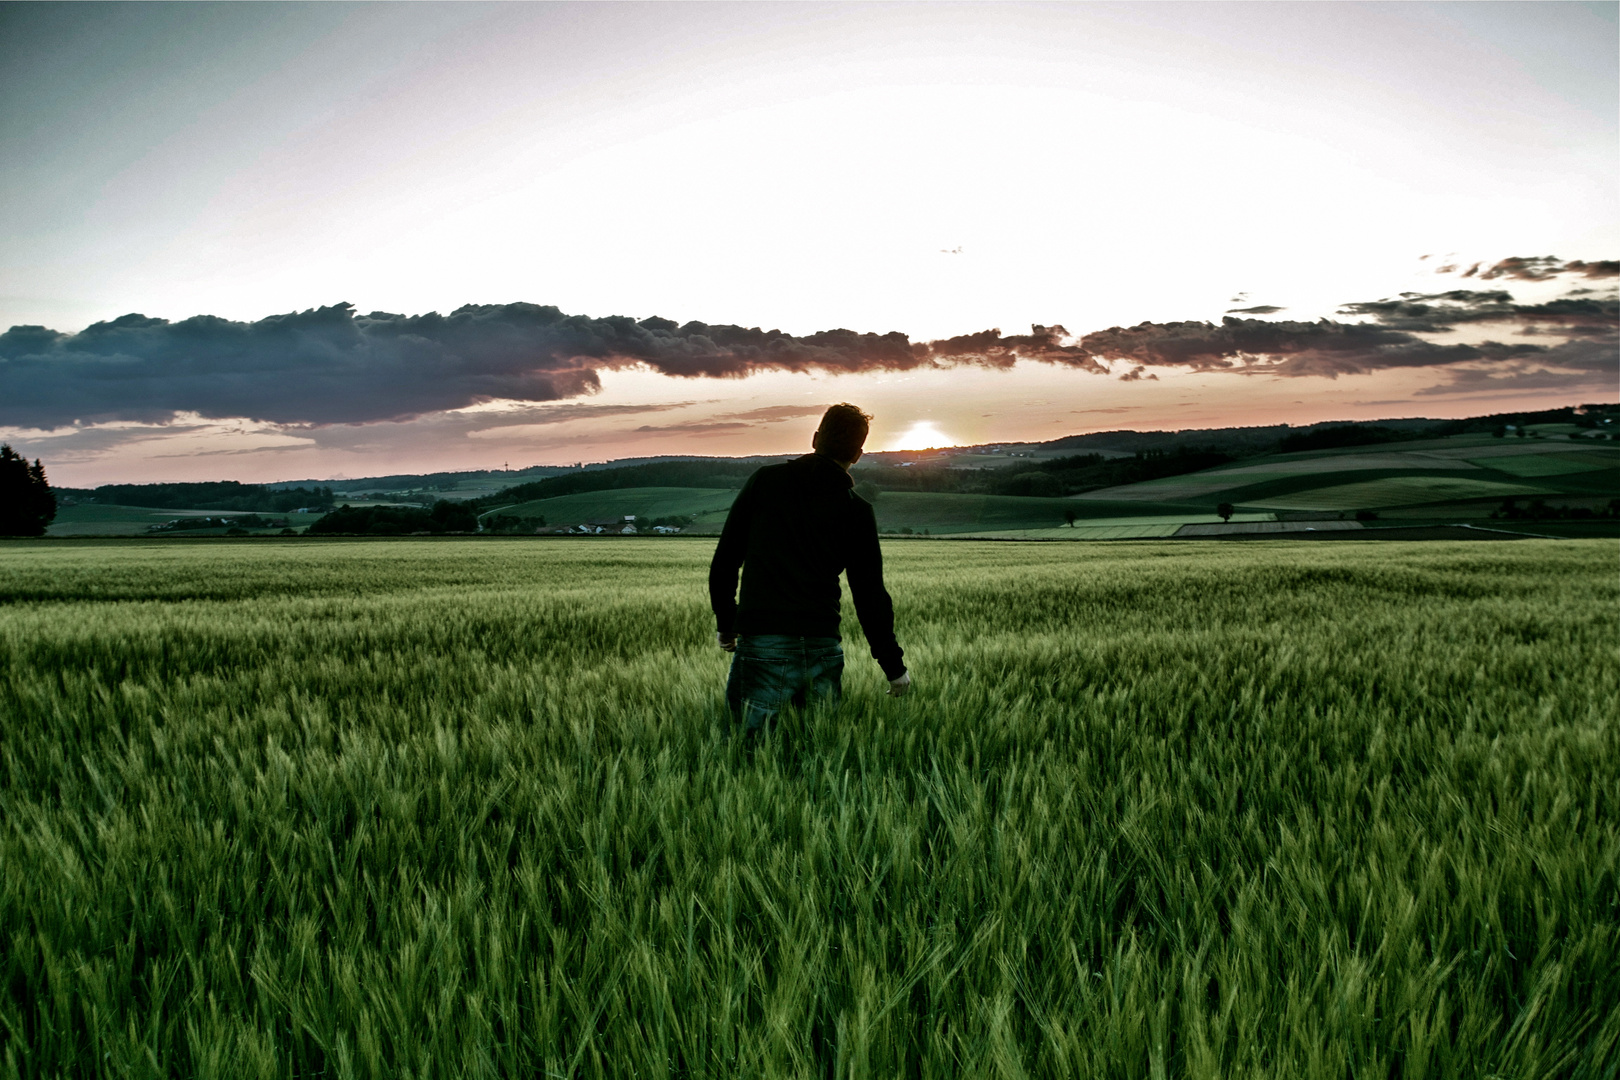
x=773 y=670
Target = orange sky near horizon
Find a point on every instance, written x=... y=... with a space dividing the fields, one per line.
x=639 y=413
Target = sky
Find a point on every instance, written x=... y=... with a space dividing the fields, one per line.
x=271 y=241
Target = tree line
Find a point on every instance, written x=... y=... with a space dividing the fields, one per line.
x=27 y=503
x=443 y=517
x=230 y=496
x=699 y=473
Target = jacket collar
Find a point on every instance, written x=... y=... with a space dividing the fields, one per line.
x=824 y=464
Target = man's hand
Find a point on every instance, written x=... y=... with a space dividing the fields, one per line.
x=898 y=687
x=727 y=642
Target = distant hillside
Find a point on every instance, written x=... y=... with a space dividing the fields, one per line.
x=1036 y=472
x=942 y=514
x=1243 y=441
x=491 y=480
x=1038 y=478
x=438 y=481
x=1540 y=472
x=1077 y=462
x=685 y=473
x=1043 y=477
x=682 y=506
x=225 y=495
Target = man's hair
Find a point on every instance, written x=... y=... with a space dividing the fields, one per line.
x=842 y=432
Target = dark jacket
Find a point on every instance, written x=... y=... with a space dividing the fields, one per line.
x=793 y=528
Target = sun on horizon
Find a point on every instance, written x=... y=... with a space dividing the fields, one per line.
x=923 y=435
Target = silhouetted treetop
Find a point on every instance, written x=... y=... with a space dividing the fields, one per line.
x=27 y=503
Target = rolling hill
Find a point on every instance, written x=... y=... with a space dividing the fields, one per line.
x=1461 y=478
x=1405 y=473
x=647 y=503
x=943 y=514
x=1466 y=475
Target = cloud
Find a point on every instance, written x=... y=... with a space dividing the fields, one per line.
x=1254 y=346
x=75 y=444
x=522 y=420
x=1575 y=313
x=1536 y=268
x=698 y=427
x=735 y=422
x=331 y=366
x=775 y=414
x=1581 y=364
x=1489 y=383
x=990 y=348
x=1391 y=339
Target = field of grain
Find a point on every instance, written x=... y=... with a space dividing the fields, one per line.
x=103 y=519
x=1398 y=491
x=1463 y=477
x=1553 y=464
x=944 y=513
x=472 y=808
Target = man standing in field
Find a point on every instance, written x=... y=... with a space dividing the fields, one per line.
x=793 y=528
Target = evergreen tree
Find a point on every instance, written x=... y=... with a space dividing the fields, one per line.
x=27 y=503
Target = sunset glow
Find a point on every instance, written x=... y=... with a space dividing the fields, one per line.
x=923 y=435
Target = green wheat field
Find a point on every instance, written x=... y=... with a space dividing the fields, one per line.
x=445 y=808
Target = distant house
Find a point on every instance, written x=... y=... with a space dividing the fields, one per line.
x=665 y=530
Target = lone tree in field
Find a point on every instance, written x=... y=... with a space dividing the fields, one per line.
x=27 y=503
x=1069 y=516
x=1224 y=511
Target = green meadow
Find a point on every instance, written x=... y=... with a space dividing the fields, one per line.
x=467 y=808
x=1464 y=477
x=105 y=519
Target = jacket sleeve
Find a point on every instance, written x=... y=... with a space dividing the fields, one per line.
x=728 y=559
x=872 y=603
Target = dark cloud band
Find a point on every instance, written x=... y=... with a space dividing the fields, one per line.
x=329 y=365
x=1590 y=327
x=1536 y=268
x=332 y=366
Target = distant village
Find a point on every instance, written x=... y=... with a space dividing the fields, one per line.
x=625 y=526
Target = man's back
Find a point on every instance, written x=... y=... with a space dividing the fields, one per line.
x=793 y=528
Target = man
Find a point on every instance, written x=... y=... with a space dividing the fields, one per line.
x=793 y=528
